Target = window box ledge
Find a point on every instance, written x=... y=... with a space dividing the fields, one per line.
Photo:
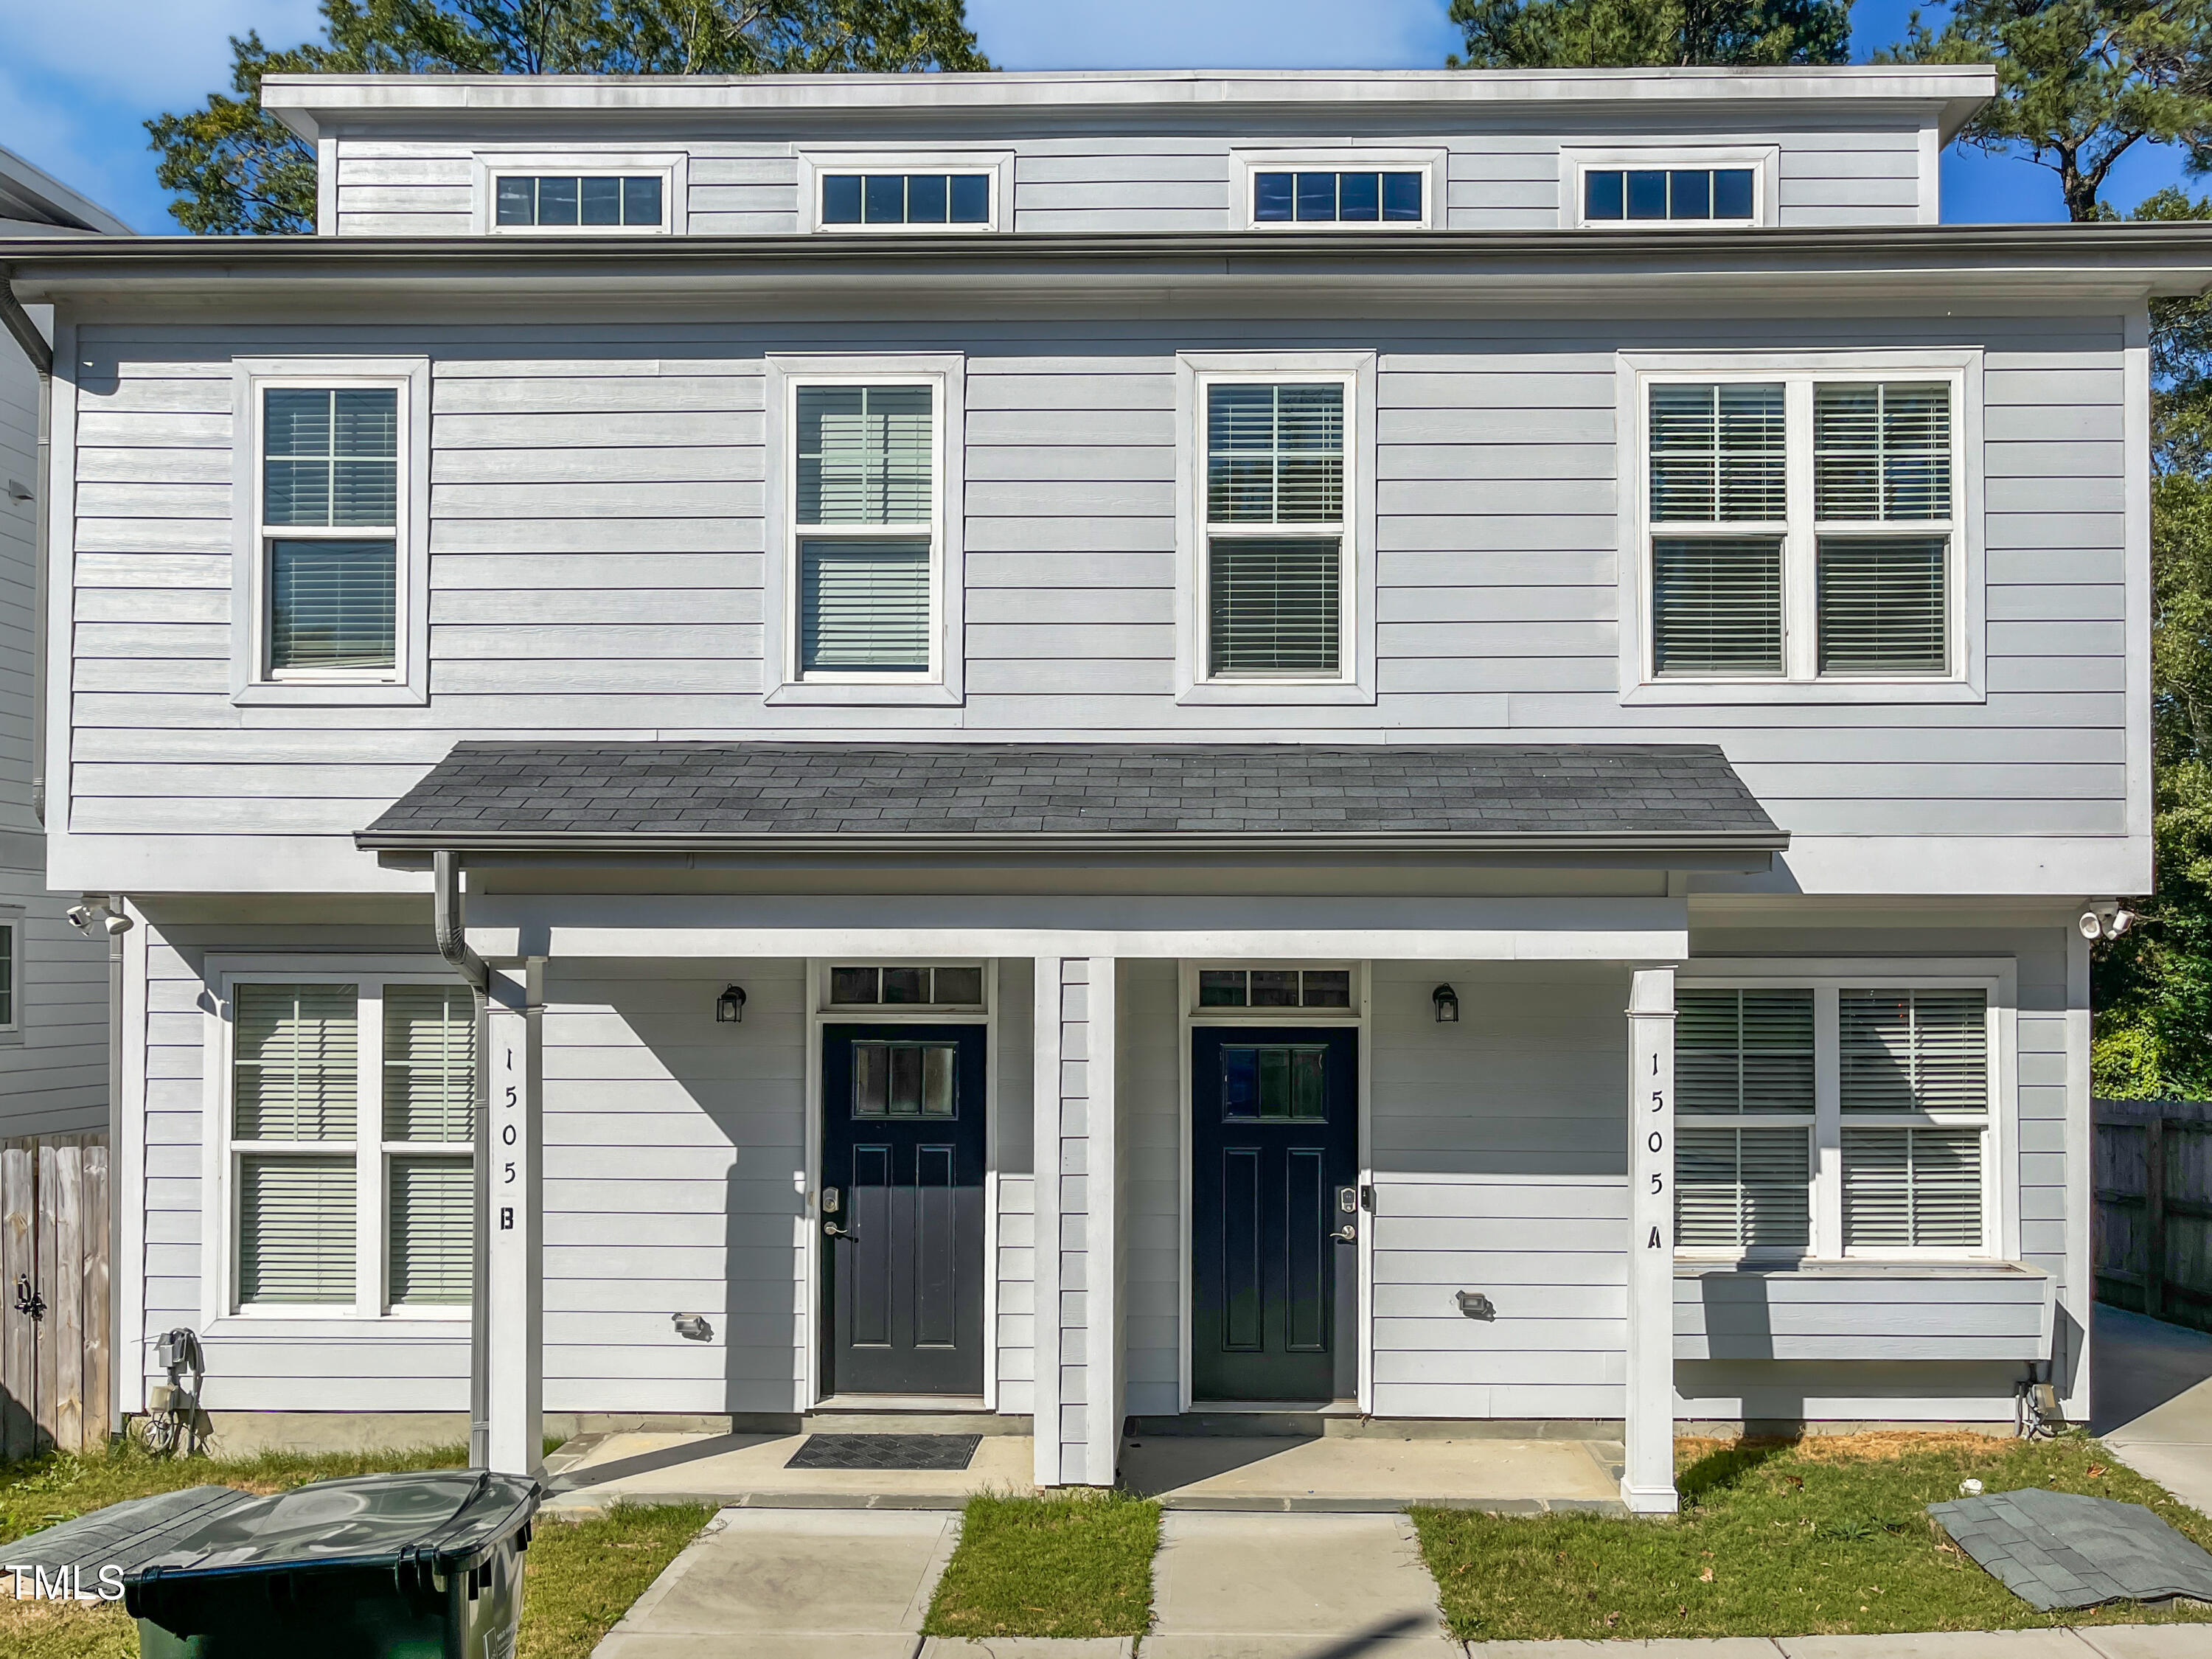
x=1263 y=694
x=328 y=694
x=1923 y=1310
x=833 y=694
x=1680 y=694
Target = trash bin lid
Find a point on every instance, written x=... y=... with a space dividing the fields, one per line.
x=445 y=1520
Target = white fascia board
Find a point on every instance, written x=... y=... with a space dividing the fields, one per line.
x=139 y=865
x=307 y=103
x=1951 y=867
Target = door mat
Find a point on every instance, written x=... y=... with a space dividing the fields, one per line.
x=2053 y=1549
x=885 y=1451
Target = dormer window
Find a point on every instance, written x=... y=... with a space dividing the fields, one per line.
x=1711 y=187
x=580 y=202
x=870 y=199
x=1330 y=198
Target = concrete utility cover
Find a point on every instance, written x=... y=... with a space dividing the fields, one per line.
x=2053 y=1549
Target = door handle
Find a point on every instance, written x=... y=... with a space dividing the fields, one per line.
x=1347 y=1205
x=1346 y=1234
x=832 y=1230
x=832 y=1202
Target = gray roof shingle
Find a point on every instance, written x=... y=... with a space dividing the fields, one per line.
x=551 y=795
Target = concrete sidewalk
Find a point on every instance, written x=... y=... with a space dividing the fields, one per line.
x=2153 y=1387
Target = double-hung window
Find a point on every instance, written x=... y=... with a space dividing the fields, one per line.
x=350 y=1155
x=11 y=975
x=1833 y=1119
x=1803 y=527
x=1277 y=578
x=329 y=601
x=866 y=525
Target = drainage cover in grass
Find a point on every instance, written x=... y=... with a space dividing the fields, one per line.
x=885 y=1451
x=2056 y=1549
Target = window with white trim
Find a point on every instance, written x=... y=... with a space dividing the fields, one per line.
x=11 y=973
x=870 y=201
x=867 y=529
x=1802 y=526
x=585 y=202
x=1647 y=188
x=1276 y=534
x=351 y=1148
x=1885 y=1091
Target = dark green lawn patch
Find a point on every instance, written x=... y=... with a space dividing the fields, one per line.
x=1075 y=1566
x=1776 y=1538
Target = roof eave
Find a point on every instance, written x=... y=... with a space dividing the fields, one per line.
x=646 y=842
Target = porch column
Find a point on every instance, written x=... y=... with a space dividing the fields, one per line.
x=1647 y=1485
x=513 y=1266
x=1078 y=1402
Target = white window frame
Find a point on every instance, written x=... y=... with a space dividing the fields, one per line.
x=488 y=167
x=1197 y=1013
x=12 y=919
x=1354 y=682
x=1798 y=372
x=407 y=681
x=222 y=1152
x=1997 y=979
x=1428 y=160
x=783 y=683
x=1764 y=161
x=815 y=161
x=865 y=1012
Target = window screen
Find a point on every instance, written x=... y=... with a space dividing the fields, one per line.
x=431 y=1238
x=1742 y=1190
x=1914 y=1051
x=429 y=1063
x=1274 y=508
x=866 y=464
x=296 y=1062
x=1743 y=1051
x=329 y=475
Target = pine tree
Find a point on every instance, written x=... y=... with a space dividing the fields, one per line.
x=1619 y=33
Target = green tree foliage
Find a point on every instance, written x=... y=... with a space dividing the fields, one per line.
x=238 y=171
x=2152 y=987
x=2081 y=83
x=1619 y=33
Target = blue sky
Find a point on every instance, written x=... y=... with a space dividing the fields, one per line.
x=79 y=76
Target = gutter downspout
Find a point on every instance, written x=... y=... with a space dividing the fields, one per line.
x=452 y=931
x=18 y=323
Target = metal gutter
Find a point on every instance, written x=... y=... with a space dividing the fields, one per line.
x=25 y=332
x=447 y=843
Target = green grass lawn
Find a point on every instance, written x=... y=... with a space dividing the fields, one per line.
x=1049 y=1566
x=579 y=1576
x=1778 y=1539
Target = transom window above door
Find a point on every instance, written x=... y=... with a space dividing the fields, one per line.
x=1803 y=527
x=886 y=985
x=1274 y=987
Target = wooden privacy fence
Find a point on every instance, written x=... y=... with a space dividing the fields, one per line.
x=54 y=1359
x=2152 y=1226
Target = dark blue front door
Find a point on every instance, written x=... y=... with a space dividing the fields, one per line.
x=903 y=1208
x=1275 y=1140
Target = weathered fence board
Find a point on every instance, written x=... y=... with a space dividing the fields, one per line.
x=55 y=1365
x=2152 y=1226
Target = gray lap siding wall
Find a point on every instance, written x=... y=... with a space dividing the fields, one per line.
x=597 y=554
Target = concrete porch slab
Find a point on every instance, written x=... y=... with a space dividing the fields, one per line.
x=1370 y=1473
x=746 y=1471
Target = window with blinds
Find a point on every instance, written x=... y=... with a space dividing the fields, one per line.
x=1275 y=530
x=1743 y=1191
x=1913 y=1051
x=1912 y=1189
x=865 y=515
x=1743 y=1051
x=308 y=1168
x=1864 y=548
x=330 y=523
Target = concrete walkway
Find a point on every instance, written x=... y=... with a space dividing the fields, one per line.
x=2153 y=1392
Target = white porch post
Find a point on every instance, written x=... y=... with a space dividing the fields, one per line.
x=1647 y=1485
x=1077 y=1404
x=514 y=1275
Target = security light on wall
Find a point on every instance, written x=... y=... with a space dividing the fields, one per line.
x=730 y=1006
x=1447 y=1005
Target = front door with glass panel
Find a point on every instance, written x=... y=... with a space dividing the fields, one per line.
x=901 y=1209
x=1274 y=1164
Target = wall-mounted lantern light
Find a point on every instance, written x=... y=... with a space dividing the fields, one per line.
x=1447 y=1002
x=730 y=1006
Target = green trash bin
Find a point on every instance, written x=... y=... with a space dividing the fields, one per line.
x=379 y=1566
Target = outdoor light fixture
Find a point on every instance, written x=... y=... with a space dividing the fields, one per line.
x=1447 y=1002
x=730 y=1006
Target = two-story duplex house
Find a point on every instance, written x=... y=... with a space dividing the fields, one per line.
x=53 y=977
x=1091 y=747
